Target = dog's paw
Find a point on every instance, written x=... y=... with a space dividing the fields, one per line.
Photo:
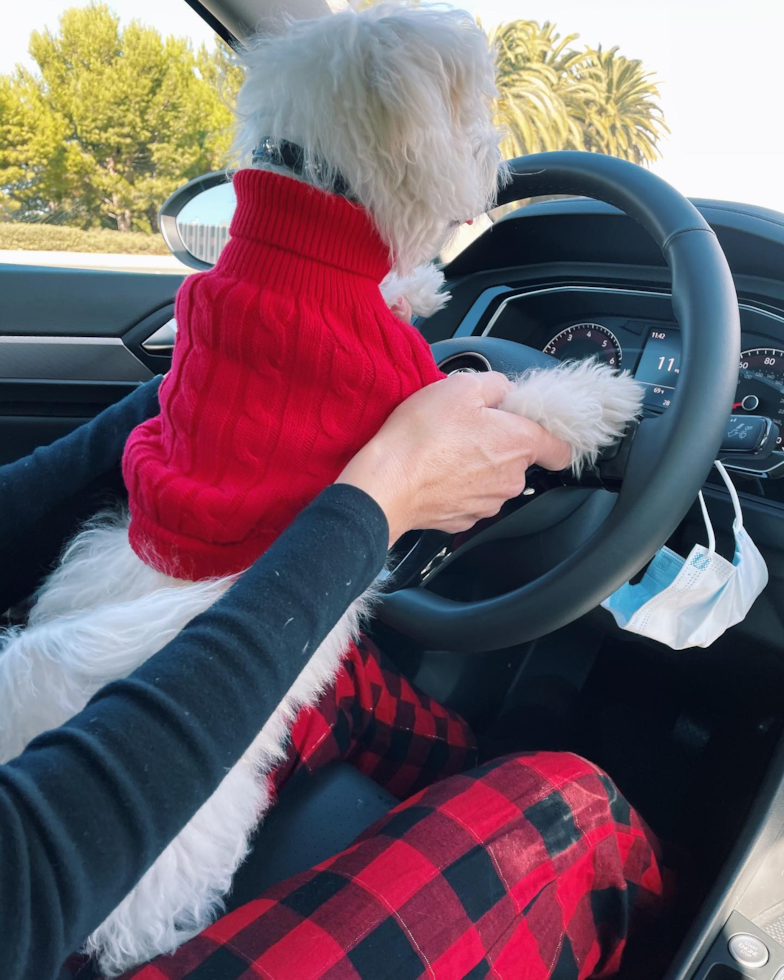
x=585 y=403
x=421 y=291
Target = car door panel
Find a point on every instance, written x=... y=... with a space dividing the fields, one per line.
x=71 y=343
x=40 y=301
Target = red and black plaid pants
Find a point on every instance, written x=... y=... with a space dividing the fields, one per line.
x=531 y=866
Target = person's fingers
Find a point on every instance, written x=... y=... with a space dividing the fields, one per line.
x=446 y=457
x=490 y=508
x=493 y=387
x=516 y=430
x=458 y=524
x=553 y=454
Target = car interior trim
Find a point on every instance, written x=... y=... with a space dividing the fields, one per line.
x=162 y=341
x=485 y=298
x=82 y=359
x=212 y=21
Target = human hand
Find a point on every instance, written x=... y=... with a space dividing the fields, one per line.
x=446 y=457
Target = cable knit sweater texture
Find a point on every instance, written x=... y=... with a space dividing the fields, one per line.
x=287 y=362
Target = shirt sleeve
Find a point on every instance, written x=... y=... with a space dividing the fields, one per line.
x=87 y=808
x=33 y=486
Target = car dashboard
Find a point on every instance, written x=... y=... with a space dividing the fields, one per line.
x=577 y=279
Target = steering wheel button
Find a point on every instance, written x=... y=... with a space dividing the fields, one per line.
x=748 y=951
x=779 y=974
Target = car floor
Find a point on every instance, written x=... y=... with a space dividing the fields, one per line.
x=689 y=756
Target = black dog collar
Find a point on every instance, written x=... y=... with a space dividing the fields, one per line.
x=282 y=153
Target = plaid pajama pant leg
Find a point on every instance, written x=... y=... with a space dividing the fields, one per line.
x=375 y=719
x=532 y=867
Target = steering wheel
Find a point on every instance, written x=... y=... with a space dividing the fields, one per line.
x=599 y=540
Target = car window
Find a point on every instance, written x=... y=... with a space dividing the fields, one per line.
x=104 y=112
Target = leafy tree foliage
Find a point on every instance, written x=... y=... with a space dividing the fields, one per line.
x=553 y=96
x=114 y=119
x=624 y=120
x=111 y=123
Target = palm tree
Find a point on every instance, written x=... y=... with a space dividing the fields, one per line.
x=553 y=97
x=625 y=120
x=533 y=64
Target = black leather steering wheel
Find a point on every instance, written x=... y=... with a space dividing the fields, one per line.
x=670 y=454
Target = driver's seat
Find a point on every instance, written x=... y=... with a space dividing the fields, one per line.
x=315 y=818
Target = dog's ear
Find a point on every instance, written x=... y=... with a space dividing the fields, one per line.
x=397 y=100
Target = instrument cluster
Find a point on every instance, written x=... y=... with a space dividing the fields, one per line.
x=656 y=365
x=633 y=329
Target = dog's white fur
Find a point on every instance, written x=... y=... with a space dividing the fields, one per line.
x=585 y=403
x=102 y=614
x=423 y=289
x=397 y=101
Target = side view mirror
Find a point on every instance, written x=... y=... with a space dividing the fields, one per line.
x=195 y=219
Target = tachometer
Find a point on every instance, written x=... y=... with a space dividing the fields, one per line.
x=584 y=340
x=761 y=385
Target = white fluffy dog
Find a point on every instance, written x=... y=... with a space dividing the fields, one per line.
x=395 y=103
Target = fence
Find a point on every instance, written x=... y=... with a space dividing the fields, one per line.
x=204 y=241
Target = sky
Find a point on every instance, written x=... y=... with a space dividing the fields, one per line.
x=722 y=85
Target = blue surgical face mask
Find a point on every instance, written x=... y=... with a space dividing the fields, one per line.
x=690 y=602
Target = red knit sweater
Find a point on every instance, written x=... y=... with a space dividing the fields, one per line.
x=287 y=361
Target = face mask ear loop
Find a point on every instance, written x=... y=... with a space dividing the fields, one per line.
x=708 y=526
x=738 y=523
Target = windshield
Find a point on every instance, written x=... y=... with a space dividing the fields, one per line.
x=707 y=91
x=107 y=109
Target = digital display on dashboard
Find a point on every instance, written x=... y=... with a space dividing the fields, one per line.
x=660 y=365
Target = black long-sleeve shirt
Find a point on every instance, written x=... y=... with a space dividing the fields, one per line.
x=87 y=808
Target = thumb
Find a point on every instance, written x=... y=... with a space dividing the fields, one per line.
x=493 y=388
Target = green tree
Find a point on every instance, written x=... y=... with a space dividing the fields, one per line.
x=111 y=123
x=623 y=119
x=552 y=96
x=535 y=73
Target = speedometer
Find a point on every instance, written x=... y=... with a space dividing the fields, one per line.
x=583 y=340
x=761 y=385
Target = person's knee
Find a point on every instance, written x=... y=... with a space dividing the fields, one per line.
x=559 y=768
x=534 y=774
x=561 y=793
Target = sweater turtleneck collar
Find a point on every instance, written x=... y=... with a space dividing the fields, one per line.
x=287 y=215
